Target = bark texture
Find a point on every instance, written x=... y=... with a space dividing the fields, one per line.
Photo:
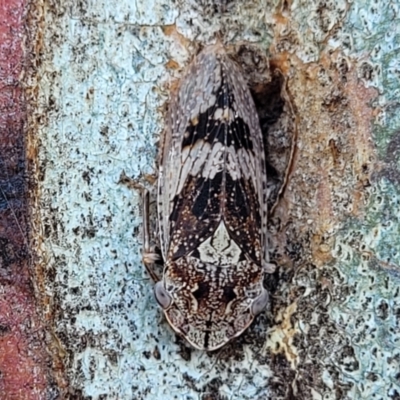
x=104 y=75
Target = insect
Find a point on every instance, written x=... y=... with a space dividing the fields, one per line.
x=212 y=205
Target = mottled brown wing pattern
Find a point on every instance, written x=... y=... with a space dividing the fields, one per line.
x=212 y=204
x=212 y=152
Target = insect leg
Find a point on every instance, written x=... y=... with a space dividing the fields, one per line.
x=149 y=255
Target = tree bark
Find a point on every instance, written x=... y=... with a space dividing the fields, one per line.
x=103 y=74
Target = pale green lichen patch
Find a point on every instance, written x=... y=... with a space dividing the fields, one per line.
x=375 y=31
x=234 y=21
x=367 y=300
x=382 y=225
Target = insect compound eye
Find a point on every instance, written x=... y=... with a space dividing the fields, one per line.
x=260 y=303
x=162 y=296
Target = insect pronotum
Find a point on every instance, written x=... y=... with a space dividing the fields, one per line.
x=212 y=205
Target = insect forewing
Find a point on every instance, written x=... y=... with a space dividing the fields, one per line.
x=212 y=203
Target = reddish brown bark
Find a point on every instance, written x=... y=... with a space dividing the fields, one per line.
x=23 y=370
